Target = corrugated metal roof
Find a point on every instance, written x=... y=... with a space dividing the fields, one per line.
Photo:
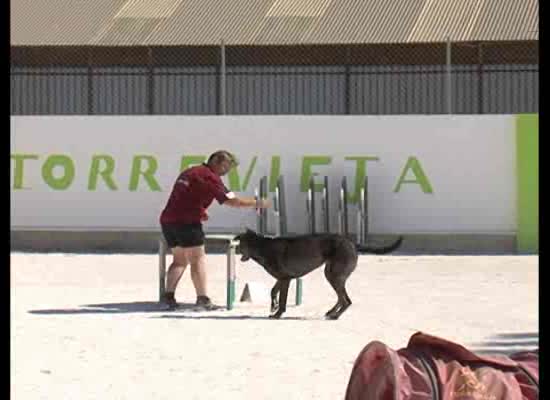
x=204 y=22
x=271 y=22
x=446 y=18
x=373 y=21
x=59 y=21
x=143 y=9
x=284 y=30
x=507 y=20
x=293 y=8
x=130 y=31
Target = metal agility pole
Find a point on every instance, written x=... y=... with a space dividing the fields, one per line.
x=282 y=227
x=231 y=276
x=311 y=227
x=343 y=208
x=325 y=206
x=363 y=213
x=279 y=208
x=163 y=249
x=310 y=206
x=262 y=212
x=258 y=215
x=280 y=212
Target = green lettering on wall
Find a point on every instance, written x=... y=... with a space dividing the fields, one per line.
x=360 y=173
x=106 y=172
x=58 y=160
x=275 y=172
x=188 y=161
x=234 y=179
x=18 y=170
x=307 y=163
x=420 y=177
x=148 y=173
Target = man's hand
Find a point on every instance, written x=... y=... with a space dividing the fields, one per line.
x=204 y=217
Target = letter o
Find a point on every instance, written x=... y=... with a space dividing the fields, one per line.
x=53 y=161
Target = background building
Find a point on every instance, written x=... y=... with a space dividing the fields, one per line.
x=280 y=57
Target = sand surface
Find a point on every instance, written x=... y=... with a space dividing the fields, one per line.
x=89 y=327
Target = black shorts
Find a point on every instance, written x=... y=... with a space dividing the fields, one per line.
x=183 y=235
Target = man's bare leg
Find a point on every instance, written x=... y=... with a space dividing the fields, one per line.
x=175 y=272
x=197 y=259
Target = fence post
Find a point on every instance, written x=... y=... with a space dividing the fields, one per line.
x=150 y=83
x=480 y=77
x=90 y=83
x=449 y=81
x=347 y=80
x=222 y=79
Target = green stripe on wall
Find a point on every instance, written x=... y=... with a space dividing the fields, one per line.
x=527 y=141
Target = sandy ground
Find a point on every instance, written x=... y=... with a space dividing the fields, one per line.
x=88 y=326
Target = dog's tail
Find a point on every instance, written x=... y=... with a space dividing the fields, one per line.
x=380 y=250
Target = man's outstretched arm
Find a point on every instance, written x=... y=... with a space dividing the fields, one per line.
x=247 y=202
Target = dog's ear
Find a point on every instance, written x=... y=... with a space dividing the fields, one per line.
x=250 y=231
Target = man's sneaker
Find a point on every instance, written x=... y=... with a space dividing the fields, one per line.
x=170 y=301
x=204 y=303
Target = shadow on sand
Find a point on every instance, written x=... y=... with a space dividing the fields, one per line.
x=154 y=307
x=236 y=317
x=506 y=343
x=114 y=308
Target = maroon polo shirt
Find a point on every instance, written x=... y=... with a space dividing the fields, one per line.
x=192 y=194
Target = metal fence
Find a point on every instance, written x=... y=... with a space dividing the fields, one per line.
x=437 y=79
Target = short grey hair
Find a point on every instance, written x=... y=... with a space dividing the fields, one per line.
x=222 y=155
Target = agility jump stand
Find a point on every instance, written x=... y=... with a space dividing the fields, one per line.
x=311 y=207
x=231 y=275
x=362 y=211
x=279 y=211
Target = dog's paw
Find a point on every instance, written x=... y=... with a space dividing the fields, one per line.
x=331 y=317
x=275 y=316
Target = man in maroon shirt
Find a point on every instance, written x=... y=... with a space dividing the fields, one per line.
x=181 y=221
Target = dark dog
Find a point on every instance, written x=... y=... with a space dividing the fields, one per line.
x=289 y=257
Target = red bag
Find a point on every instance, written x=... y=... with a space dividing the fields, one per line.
x=431 y=368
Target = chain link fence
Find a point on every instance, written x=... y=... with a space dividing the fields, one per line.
x=457 y=78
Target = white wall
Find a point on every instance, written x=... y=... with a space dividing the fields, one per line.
x=468 y=160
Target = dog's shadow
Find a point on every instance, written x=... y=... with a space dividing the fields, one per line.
x=113 y=308
x=203 y=315
x=154 y=307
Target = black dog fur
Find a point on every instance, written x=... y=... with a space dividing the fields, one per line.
x=290 y=257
